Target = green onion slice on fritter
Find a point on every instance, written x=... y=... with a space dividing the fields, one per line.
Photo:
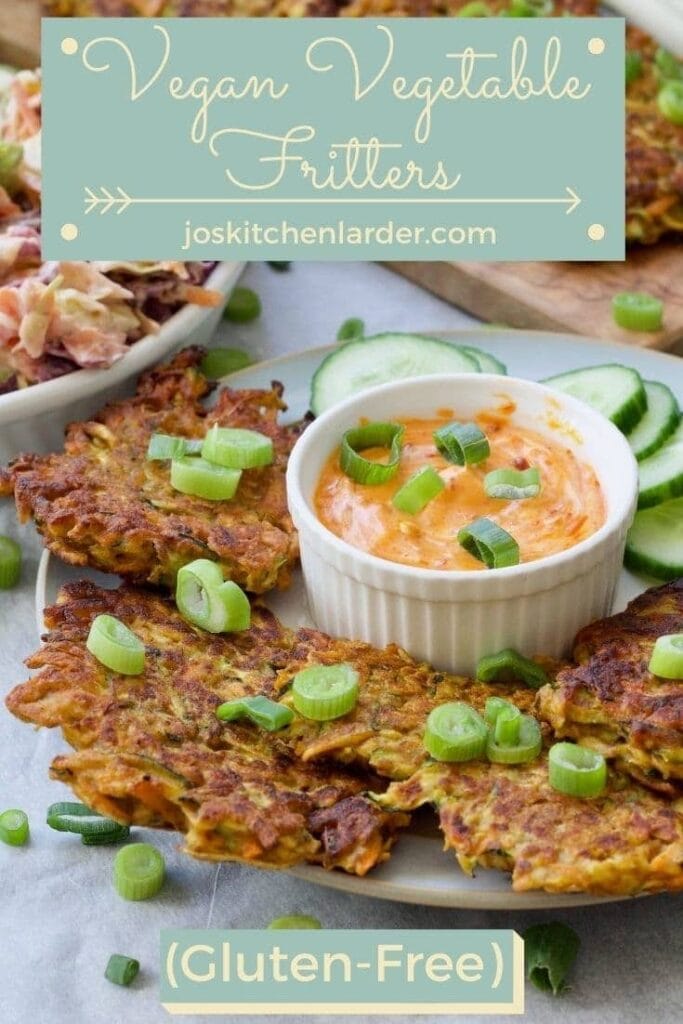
x=260 y=710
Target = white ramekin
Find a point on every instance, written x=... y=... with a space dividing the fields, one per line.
x=452 y=618
x=34 y=418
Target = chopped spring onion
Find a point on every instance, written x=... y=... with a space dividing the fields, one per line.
x=121 y=970
x=668 y=66
x=237 y=448
x=219 y=362
x=351 y=330
x=670 y=101
x=418 y=490
x=116 y=646
x=667 y=657
x=490 y=543
x=165 y=446
x=243 y=306
x=475 y=9
x=372 y=435
x=324 y=692
x=11 y=155
x=509 y=666
x=194 y=475
x=637 y=311
x=513 y=484
x=262 y=711
x=139 y=871
x=495 y=706
x=295 y=921
x=549 y=951
x=515 y=739
x=455 y=732
x=530 y=8
x=94 y=829
x=634 y=66
x=462 y=443
x=203 y=599
x=14 y=827
x=10 y=563
x=576 y=771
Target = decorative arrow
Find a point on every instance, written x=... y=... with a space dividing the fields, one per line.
x=108 y=201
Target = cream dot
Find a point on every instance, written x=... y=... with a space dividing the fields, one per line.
x=69 y=232
x=69 y=46
x=596 y=232
x=596 y=46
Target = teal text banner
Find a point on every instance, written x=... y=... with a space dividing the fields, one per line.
x=326 y=139
x=354 y=972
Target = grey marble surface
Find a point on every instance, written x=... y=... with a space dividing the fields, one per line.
x=60 y=916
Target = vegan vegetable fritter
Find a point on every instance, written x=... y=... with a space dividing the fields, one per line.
x=102 y=503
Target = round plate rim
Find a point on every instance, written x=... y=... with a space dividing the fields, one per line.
x=370 y=885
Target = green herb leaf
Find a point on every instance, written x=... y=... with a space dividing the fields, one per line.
x=549 y=951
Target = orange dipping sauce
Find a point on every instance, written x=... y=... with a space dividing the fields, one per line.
x=569 y=508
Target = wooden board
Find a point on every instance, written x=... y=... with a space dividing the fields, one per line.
x=574 y=297
x=20 y=32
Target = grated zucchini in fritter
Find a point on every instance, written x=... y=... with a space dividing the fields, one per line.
x=612 y=703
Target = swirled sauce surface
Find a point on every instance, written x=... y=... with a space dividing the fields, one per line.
x=569 y=508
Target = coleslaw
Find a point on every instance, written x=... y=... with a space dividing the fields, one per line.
x=57 y=317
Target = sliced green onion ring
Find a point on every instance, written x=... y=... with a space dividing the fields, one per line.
x=455 y=732
x=372 y=435
x=14 y=829
x=669 y=66
x=530 y=8
x=667 y=657
x=351 y=330
x=139 y=871
x=513 y=484
x=295 y=921
x=203 y=599
x=202 y=479
x=325 y=692
x=262 y=711
x=166 y=446
x=670 y=102
x=94 y=829
x=236 y=448
x=475 y=9
x=116 y=646
x=637 y=311
x=418 y=490
x=220 y=362
x=495 y=706
x=10 y=563
x=121 y=970
x=490 y=543
x=464 y=444
x=508 y=666
x=576 y=771
x=243 y=305
x=514 y=746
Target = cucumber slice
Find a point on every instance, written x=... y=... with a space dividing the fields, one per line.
x=661 y=475
x=655 y=541
x=658 y=423
x=359 y=365
x=484 y=360
x=615 y=391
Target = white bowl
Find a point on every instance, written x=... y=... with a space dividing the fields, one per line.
x=452 y=618
x=33 y=418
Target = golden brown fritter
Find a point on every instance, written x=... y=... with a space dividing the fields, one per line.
x=103 y=504
x=627 y=841
x=612 y=703
x=654 y=153
x=150 y=750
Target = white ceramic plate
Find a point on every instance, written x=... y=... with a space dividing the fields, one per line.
x=418 y=870
x=33 y=419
